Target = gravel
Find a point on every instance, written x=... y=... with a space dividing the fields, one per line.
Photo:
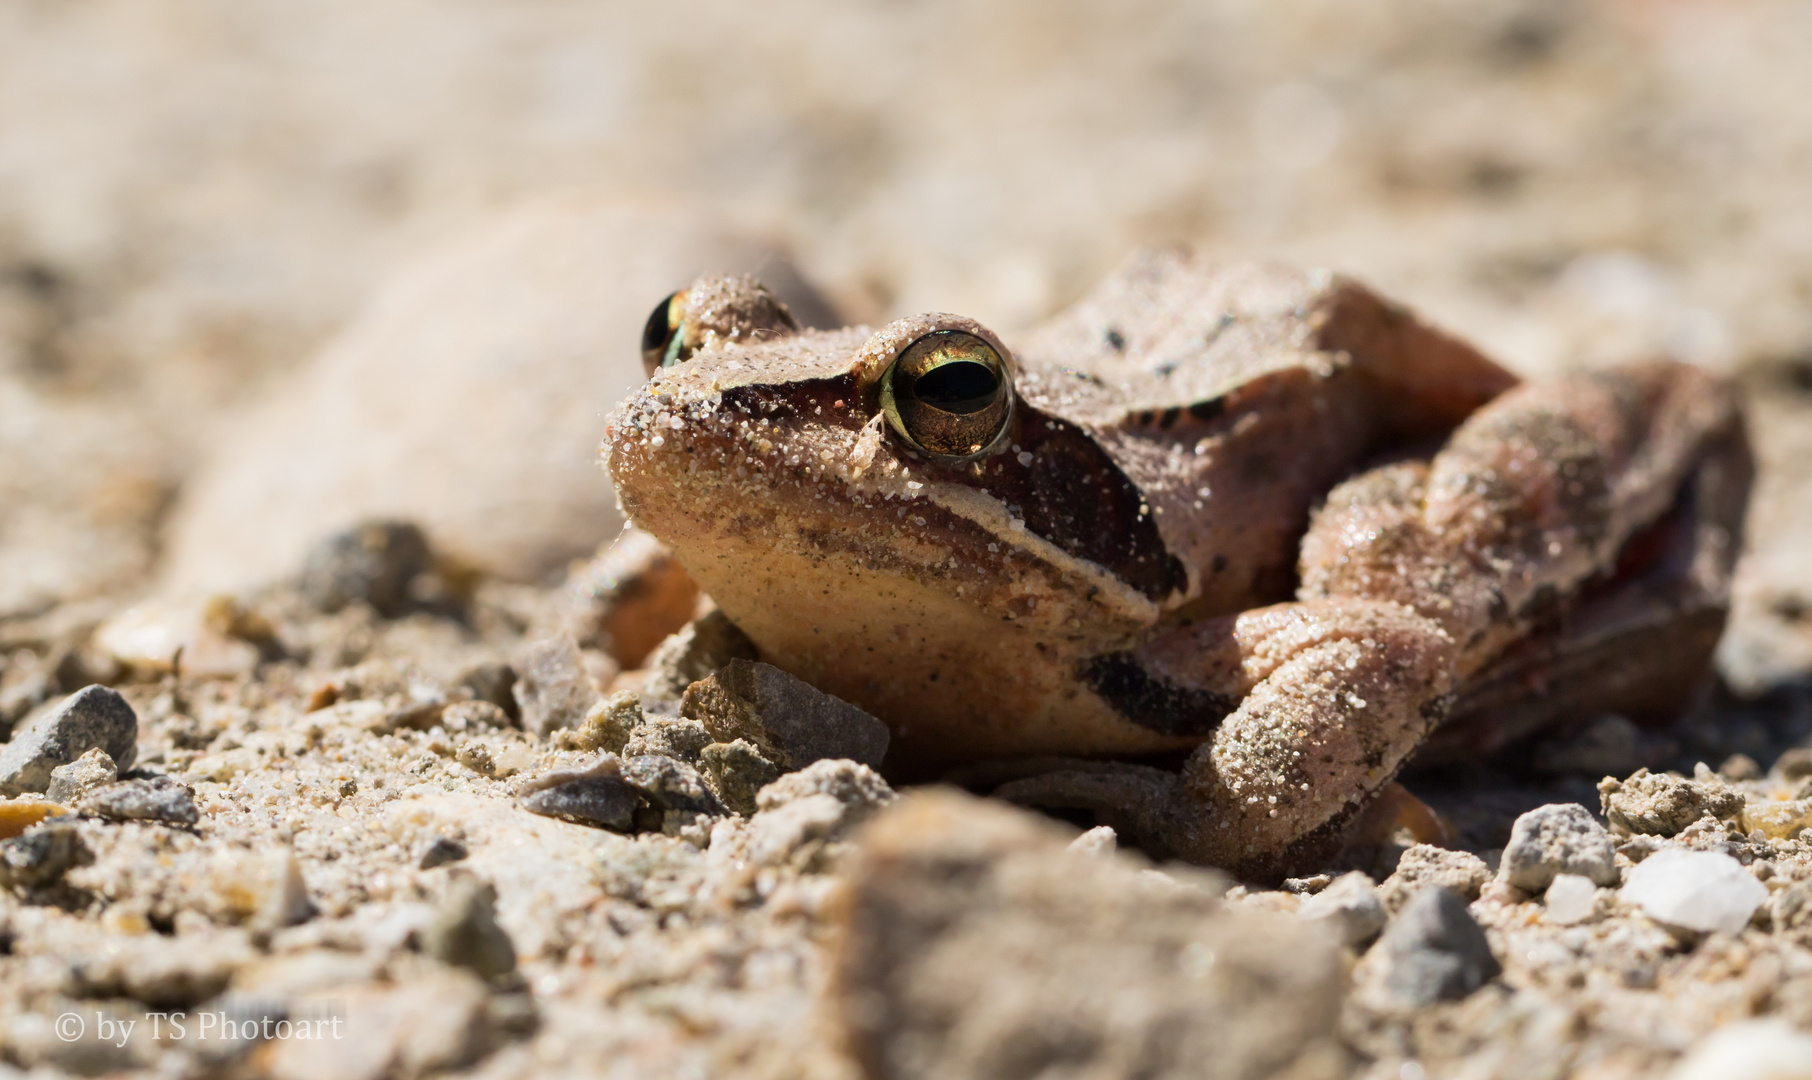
x=552 y=690
x=1570 y=899
x=1432 y=951
x=68 y=783
x=1557 y=839
x=1699 y=891
x=790 y=721
x=1350 y=904
x=94 y=717
x=374 y=562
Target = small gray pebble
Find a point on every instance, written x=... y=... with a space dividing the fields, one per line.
x=791 y=722
x=374 y=561
x=552 y=690
x=477 y=757
x=1560 y=838
x=464 y=931
x=671 y=785
x=157 y=799
x=443 y=850
x=596 y=796
x=1434 y=951
x=93 y=716
x=40 y=857
x=493 y=682
x=1351 y=905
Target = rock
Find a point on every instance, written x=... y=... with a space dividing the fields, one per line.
x=68 y=783
x=695 y=651
x=1431 y=951
x=466 y=398
x=1794 y=764
x=464 y=931
x=973 y=945
x=1662 y=804
x=790 y=721
x=92 y=717
x=630 y=598
x=1738 y=767
x=850 y=783
x=1560 y=838
x=373 y=562
x=1099 y=842
x=477 y=757
x=146 y=638
x=776 y=835
x=671 y=785
x=1698 y=891
x=39 y=858
x=553 y=690
x=1570 y=899
x=441 y=851
x=1425 y=865
x=490 y=681
x=680 y=739
x=737 y=772
x=596 y=796
x=1751 y=1049
x=610 y=724
x=1791 y=912
x=1777 y=819
x=1351 y=906
x=157 y=799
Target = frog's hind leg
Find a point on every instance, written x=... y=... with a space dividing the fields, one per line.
x=1415 y=577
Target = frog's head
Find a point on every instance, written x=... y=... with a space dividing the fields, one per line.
x=877 y=489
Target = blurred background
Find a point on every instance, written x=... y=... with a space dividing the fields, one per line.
x=267 y=267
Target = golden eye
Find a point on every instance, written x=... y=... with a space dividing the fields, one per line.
x=663 y=336
x=948 y=395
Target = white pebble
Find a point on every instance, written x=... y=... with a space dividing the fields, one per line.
x=1571 y=898
x=1751 y=1049
x=1694 y=890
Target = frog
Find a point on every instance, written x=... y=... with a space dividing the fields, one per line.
x=1210 y=554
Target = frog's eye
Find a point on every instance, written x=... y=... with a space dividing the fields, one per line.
x=948 y=395
x=663 y=336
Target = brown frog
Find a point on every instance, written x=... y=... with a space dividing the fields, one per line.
x=1254 y=514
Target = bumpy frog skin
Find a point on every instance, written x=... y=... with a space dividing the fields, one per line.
x=1249 y=513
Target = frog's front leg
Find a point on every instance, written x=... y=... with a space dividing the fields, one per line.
x=1332 y=696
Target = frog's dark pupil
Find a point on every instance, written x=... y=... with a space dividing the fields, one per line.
x=960 y=386
x=658 y=328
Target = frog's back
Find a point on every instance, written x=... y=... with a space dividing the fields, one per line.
x=1234 y=395
x=1167 y=331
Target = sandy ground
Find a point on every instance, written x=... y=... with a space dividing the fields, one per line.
x=221 y=221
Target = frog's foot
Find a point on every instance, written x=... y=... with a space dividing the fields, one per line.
x=1333 y=696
